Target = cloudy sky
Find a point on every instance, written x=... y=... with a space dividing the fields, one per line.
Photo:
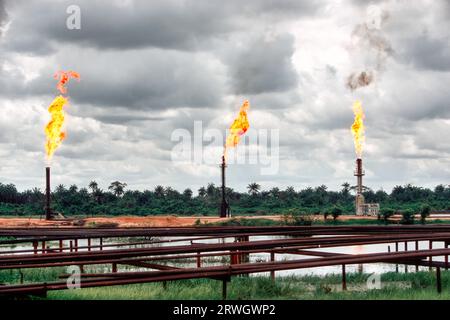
x=149 y=68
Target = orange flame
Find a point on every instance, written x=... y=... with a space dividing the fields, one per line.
x=54 y=129
x=63 y=77
x=358 y=128
x=238 y=128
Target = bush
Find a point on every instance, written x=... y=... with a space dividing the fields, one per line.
x=407 y=217
x=336 y=212
x=424 y=213
x=386 y=213
x=297 y=218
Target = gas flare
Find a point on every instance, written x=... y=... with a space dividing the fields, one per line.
x=54 y=129
x=238 y=128
x=358 y=128
x=63 y=77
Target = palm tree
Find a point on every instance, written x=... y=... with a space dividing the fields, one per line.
x=211 y=190
x=290 y=192
x=171 y=193
x=96 y=192
x=60 y=188
x=93 y=185
x=253 y=188
x=187 y=193
x=159 y=191
x=202 y=192
x=118 y=188
x=346 y=187
x=274 y=192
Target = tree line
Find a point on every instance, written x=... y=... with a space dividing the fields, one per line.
x=118 y=200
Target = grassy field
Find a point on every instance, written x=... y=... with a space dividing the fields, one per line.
x=409 y=286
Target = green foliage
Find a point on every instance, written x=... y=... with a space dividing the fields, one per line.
x=407 y=217
x=336 y=212
x=386 y=213
x=117 y=200
x=246 y=222
x=296 y=217
x=395 y=286
x=424 y=213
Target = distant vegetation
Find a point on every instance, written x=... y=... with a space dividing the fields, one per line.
x=117 y=200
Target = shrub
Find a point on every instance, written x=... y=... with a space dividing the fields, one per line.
x=326 y=213
x=424 y=213
x=297 y=218
x=386 y=213
x=407 y=217
x=336 y=212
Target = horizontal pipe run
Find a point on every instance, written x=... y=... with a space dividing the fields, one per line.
x=207 y=272
x=336 y=241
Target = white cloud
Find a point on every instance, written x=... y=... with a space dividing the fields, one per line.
x=137 y=88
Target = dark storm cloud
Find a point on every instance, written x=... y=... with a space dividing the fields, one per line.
x=3 y=15
x=264 y=65
x=142 y=80
x=428 y=52
x=148 y=68
x=168 y=24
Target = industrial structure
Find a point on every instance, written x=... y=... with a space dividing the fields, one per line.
x=48 y=209
x=363 y=208
x=224 y=210
x=82 y=247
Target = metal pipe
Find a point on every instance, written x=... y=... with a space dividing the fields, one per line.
x=48 y=210
x=406 y=249
x=224 y=271
x=199 y=261
x=396 y=250
x=417 y=249
x=224 y=207
x=438 y=280
x=41 y=233
x=446 y=256
x=224 y=289
x=272 y=259
x=344 y=278
x=430 y=246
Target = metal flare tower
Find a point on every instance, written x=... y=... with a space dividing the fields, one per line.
x=359 y=200
x=224 y=206
x=48 y=209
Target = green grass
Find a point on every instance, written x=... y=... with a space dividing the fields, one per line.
x=349 y=222
x=395 y=286
x=245 y=222
x=422 y=286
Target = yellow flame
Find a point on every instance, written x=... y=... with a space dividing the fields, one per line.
x=54 y=129
x=358 y=128
x=239 y=126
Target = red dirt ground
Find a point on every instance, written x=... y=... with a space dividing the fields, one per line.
x=151 y=221
x=131 y=221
